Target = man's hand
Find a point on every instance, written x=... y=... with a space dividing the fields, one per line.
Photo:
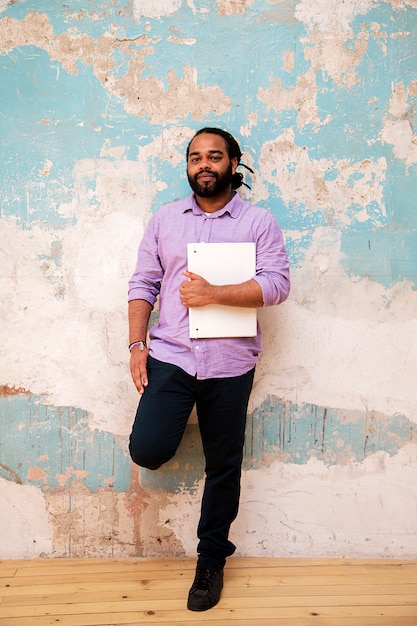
x=138 y=360
x=196 y=291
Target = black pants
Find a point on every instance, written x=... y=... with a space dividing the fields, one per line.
x=159 y=425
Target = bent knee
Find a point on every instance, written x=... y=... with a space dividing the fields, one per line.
x=143 y=460
x=144 y=457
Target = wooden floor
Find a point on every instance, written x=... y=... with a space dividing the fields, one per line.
x=257 y=592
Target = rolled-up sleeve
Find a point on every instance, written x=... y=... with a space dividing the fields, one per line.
x=272 y=265
x=145 y=282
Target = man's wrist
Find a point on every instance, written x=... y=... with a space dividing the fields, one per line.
x=138 y=344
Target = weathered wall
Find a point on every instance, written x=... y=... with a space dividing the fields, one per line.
x=98 y=101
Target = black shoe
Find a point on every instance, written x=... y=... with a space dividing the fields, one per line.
x=205 y=590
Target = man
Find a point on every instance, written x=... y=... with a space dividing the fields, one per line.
x=175 y=372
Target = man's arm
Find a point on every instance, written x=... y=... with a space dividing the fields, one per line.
x=197 y=292
x=139 y=313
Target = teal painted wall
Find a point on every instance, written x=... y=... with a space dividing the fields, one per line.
x=97 y=103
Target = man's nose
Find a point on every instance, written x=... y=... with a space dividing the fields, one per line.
x=204 y=164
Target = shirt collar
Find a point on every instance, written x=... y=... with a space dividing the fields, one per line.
x=233 y=207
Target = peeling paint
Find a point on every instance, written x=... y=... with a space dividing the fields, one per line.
x=155 y=9
x=339 y=188
x=150 y=97
x=90 y=524
x=399 y=124
x=98 y=104
x=233 y=7
x=331 y=16
x=141 y=96
x=59 y=447
x=296 y=434
x=293 y=434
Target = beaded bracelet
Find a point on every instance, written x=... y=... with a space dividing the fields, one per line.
x=142 y=345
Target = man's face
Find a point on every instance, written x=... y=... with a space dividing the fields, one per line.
x=209 y=168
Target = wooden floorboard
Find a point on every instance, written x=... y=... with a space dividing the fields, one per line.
x=257 y=592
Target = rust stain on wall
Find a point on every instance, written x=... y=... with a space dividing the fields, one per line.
x=5 y=390
x=152 y=536
x=136 y=500
x=7 y=473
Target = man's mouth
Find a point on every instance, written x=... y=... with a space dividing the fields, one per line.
x=206 y=177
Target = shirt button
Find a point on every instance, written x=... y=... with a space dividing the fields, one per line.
x=197 y=347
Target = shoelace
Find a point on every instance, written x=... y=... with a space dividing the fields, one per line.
x=203 y=579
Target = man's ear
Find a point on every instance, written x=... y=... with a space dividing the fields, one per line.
x=234 y=163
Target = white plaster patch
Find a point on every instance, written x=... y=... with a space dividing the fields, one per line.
x=233 y=7
x=337 y=342
x=313 y=510
x=302 y=98
x=24 y=527
x=306 y=182
x=289 y=61
x=46 y=170
x=190 y=41
x=328 y=54
x=75 y=302
x=4 y=4
x=331 y=15
x=155 y=8
x=170 y=145
x=398 y=130
x=340 y=511
x=400 y=4
x=246 y=129
x=183 y=512
x=183 y=95
x=336 y=55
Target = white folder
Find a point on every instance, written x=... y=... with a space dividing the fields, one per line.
x=222 y=264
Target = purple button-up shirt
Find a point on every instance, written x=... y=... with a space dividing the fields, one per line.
x=162 y=257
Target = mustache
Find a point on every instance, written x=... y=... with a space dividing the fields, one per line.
x=206 y=171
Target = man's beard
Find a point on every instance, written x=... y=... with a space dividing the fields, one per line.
x=217 y=186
